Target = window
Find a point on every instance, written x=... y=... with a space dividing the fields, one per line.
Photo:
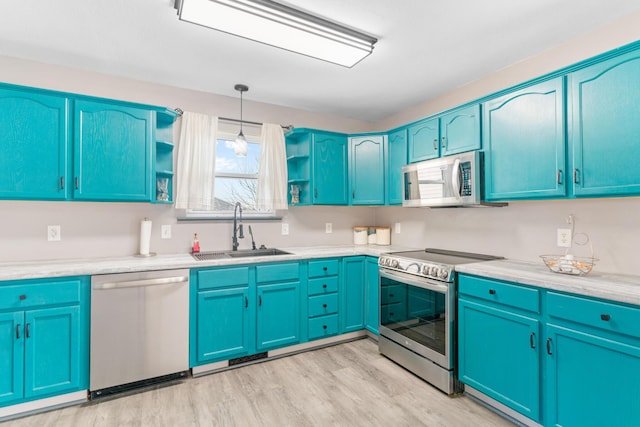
x=236 y=178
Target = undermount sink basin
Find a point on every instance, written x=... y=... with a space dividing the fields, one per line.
x=244 y=253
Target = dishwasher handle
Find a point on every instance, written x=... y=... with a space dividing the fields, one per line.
x=140 y=283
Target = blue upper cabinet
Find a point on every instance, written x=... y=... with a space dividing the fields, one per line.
x=34 y=134
x=460 y=130
x=329 y=170
x=397 y=157
x=605 y=127
x=524 y=141
x=367 y=170
x=424 y=140
x=112 y=152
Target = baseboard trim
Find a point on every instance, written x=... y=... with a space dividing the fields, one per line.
x=42 y=405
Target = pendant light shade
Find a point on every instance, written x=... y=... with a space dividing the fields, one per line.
x=240 y=147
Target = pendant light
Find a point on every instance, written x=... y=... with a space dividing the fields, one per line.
x=240 y=146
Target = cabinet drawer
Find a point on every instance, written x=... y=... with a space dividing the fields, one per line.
x=43 y=293
x=223 y=277
x=324 y=326
x=277 y=272
x=323 y=304
x=598 y=314
x=323 y=285
x=323 y=267
x=390 y=294
x=500 y=292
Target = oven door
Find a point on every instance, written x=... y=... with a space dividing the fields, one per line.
x=417 y=313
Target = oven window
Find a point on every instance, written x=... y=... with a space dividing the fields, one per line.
x=416 y=313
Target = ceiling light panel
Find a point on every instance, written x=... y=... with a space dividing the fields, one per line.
x=281 y=26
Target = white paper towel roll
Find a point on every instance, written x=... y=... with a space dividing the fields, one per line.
x=145 y=236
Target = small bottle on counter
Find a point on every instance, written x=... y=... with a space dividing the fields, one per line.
x=196 y=244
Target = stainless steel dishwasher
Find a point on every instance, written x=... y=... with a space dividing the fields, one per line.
x=139 y=329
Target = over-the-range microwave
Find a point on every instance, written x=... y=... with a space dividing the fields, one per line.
x=452 y=181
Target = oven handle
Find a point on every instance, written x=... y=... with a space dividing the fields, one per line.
x=421 y=283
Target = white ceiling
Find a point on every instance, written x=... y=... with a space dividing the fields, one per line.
x=425 y=47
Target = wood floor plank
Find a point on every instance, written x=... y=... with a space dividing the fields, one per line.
x=348 y=385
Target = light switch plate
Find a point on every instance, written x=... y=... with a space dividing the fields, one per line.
x=285 y=229
x=165 y=232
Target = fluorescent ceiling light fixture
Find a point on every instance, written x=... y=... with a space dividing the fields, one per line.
x=275 y=24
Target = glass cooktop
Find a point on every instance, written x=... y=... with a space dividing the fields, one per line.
x=444 y=256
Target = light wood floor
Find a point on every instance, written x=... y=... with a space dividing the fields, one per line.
x=345 y=385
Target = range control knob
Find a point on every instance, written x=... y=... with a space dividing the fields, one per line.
x=384 y=261
x=425 y=270
x=444 y=273
x=394 y=263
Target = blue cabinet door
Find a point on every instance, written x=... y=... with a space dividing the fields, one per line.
x=11 y=357
x=366 y=170
x=352 y=294
x=498 y=354
x=591 y=380
x=52 y=351
x=112 y=152
x=330 y=183
x=524 y=142
x=605 y=127
x=460 y=130
x=424 y=140
x=278 y=315
x=397 y=143
x=34 y=135
x=223 y=324
x=372 y=295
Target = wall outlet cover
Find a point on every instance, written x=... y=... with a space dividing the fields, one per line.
x=285 y=229
x=328 y=228
x=564 y=238
x=398 y=227
x=165 y=232
x=53 y=233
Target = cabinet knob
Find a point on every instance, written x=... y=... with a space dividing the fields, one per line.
x=492 y=291
x=22 y=297
x=390 y=295
x=324 y=268
x=605 y=317
x=324 y=326
x=324 y=305
x=324 y=286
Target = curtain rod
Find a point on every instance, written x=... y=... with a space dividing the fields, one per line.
x=226 y=119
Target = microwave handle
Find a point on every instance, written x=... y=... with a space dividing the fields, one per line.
x=455 y=178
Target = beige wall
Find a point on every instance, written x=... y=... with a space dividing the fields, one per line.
x=522 y=230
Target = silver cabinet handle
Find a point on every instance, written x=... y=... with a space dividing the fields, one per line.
x=140 y=283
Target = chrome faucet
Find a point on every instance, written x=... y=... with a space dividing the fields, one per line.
x=237 y=228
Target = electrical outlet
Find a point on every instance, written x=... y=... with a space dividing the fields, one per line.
x=165 y=232
x=285 y=229
x=53 y=233
x=398 y=228
x=328 y=228
x=564 y=238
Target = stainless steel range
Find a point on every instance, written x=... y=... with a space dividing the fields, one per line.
x=418 y=312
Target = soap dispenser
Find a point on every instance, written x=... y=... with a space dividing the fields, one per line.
x=196 y=244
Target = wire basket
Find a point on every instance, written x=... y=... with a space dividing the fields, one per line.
x=568 y=264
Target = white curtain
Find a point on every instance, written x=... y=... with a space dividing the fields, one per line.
x=272 y=174
x=196 y=161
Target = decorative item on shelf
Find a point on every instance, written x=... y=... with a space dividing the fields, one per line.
x=162 y=189
x=360 y=235
x=145 y=238
x=295 y=194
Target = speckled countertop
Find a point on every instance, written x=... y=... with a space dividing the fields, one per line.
x=81 y=267
x=615 y=287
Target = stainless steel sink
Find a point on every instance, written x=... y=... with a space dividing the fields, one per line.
x=256 y=252
x=243 y=253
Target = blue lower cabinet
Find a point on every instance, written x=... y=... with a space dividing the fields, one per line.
x=371 y=295
x=44 y=341
x=323 y=326
x=352 y=293
x=499 y=355
x=223 y=324
x=278 y=315
x=591 y=380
